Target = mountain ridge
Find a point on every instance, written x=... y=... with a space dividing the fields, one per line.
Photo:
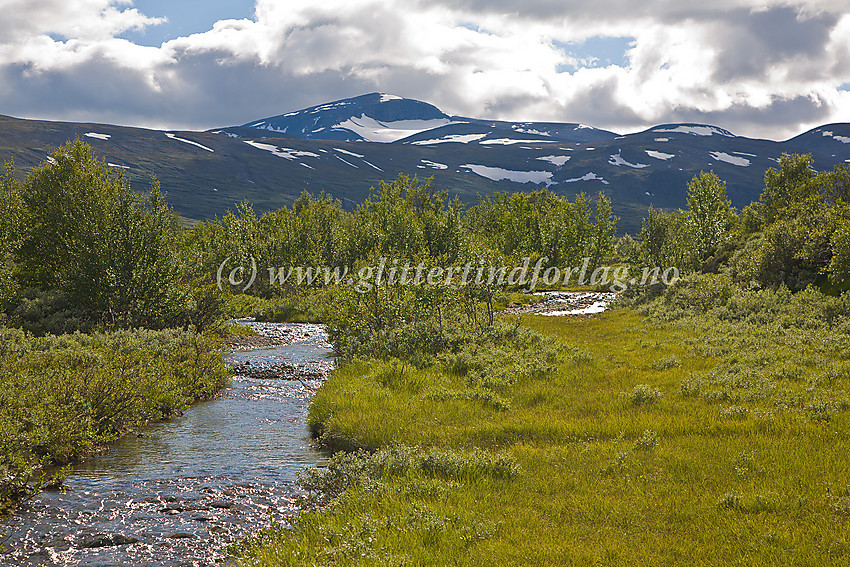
x=348 y=146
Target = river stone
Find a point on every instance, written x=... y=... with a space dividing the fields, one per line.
x=107 y=540
x=182 y=535
x=221 y=504
x=59 y=544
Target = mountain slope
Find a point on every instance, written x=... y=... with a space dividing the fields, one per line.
x=829 y=141
x=346 y=147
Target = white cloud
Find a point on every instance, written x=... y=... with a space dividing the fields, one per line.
x=86 y=20
x=765 y=68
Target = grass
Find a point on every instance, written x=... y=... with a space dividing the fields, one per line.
x=649 y=443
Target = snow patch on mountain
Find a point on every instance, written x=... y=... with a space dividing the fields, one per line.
x=372 y=130
x=696 y=130
x=322 y=108
x=281 y=152
x=498 y=174
x=185 y=141
x=659 y=155
x=508 y=141
x=349 y=153
x=271 y=128
x=556 y=160
x=524 y=130
x=587 y=177
x=455 y=138
x=729 y=158
x=434 y=164
x=97 y=136
x=617 y=160
x=842 y=139
x=117 y=165
x=347 y=162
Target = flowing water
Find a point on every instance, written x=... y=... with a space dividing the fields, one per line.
x=181 y=490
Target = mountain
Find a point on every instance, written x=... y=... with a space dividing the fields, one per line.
x=830 y=141
x=348 y=146
x=384 y=118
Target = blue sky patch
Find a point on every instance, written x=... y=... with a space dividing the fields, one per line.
x=596 y=51
x=475 y=27
x=185 y=18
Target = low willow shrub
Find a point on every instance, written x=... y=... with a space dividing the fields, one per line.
x=500 y=355
x=647 y=441
x=779 y=352
x=722 y=299
x=666 y=363
x=644 y=395
x=62 y=397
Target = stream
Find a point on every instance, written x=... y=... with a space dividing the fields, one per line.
x=178 y=492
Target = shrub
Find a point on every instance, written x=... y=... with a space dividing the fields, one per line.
x=62 y=396
x=644 y=394
x=647 y=440
x=730 y=501
x=87 y=234
x=666 y=363
x=735 y=412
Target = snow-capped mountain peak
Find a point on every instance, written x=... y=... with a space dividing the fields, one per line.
x=374 y=117
x=388 y=118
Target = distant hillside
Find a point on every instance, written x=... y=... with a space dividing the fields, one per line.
x=348 y=146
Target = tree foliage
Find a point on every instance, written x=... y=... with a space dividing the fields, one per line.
x=709 y=214
x=796 y=235
x=77 y=229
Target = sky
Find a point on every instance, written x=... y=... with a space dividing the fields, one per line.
x=759 y=68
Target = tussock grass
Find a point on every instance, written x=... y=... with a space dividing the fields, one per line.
x=732 y=462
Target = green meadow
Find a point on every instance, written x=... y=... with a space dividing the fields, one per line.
x=699 y=440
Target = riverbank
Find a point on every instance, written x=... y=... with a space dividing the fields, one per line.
x=686 y=441
x=178 y=491
x=63 y=398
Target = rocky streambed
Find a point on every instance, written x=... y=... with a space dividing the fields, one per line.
x=566 y=303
